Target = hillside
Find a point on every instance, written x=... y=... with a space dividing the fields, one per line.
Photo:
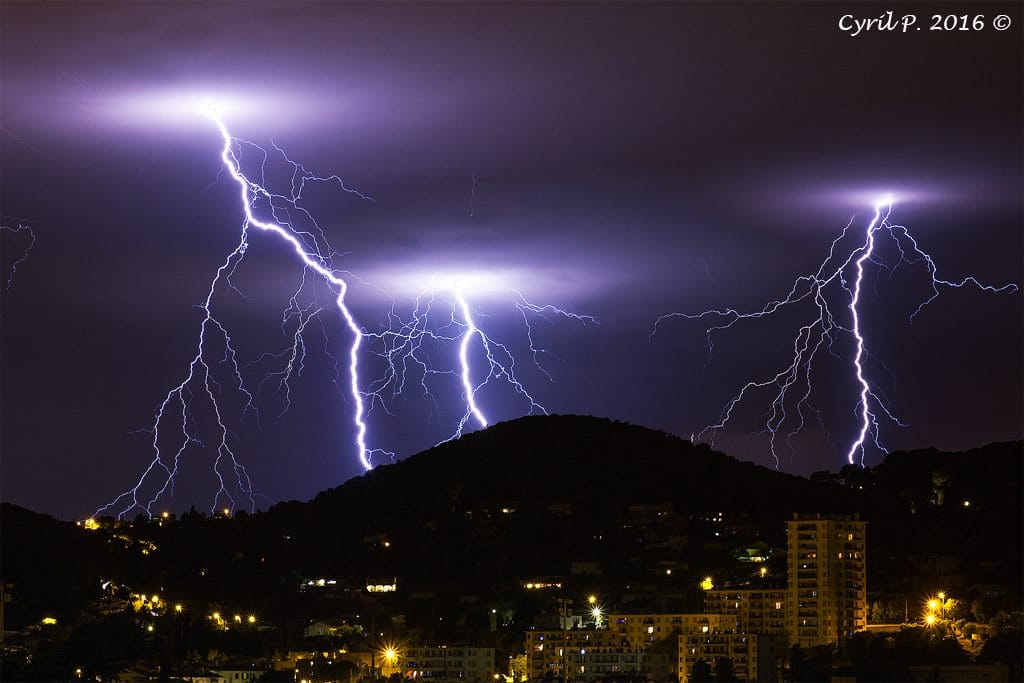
x=602 y=505
x=588 y=461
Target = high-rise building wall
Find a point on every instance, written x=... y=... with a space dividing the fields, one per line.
x=757 y=610
x=826 y=574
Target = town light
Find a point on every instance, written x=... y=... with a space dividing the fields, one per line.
x=707 y=584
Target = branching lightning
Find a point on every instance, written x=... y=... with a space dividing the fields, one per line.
x=829 y=290
x=442 y=316
x=406 y=347
x=20 y=231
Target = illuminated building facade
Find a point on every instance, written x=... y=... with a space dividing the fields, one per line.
x=443 y=662
x=580 y=654
x=744 y=649
x=827 y=599
x=756 y=610
x=640 y=630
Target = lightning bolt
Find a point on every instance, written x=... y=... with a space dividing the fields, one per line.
x=409 y=346
x=467 y=385
x=312 y=250
x=406 y=345
x=17 y=229
x=825 y=288
x=313 y=260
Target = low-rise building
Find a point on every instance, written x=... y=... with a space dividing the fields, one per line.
x=640 y=630
x=562 y=652
x=464 y=663
x=757 y=610
x=751 y=655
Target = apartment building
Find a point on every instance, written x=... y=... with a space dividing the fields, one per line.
x=443 y=662
x=826 y=574
x=640 y=630
x=756 y=610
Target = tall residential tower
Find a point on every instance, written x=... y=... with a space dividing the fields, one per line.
x=826 y=574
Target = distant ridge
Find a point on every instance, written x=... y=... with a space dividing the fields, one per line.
x=553 y=458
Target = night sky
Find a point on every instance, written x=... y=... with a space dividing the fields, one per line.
x=622 y=161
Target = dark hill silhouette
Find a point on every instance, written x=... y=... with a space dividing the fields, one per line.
x=577 y=459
